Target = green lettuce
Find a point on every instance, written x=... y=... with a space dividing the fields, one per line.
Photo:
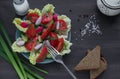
x=67 y=20
x=49 y=8
x=32 y=58
x=66 y=48
x=17 y=22
x=24 y=37
x=36 y=10
x=17 y=48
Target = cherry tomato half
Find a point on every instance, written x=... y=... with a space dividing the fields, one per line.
x=46 y=18
x=63 y=25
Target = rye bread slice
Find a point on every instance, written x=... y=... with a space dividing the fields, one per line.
x=90 y=61
x=96 y=72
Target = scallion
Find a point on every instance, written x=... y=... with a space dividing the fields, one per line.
x=23 y=71
x=8 y=53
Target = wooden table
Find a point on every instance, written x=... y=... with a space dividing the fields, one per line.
x=79 y=11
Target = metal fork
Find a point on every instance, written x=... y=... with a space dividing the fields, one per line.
x=57 y=57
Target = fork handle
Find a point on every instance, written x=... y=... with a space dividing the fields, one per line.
x=74 y=77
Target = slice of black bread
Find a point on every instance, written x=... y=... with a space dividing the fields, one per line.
x=94 y=73
x=90 y=61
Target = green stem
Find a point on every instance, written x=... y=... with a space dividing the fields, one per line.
x=15 y=55
x=29 y=76
x=12 y=60
x=33 y=73
x=5 y=33
x=1 y=48
x=18 y=60
x=35 y=67
x=6 y=58
x=26 y=68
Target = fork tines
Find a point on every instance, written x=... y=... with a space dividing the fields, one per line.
x=53 y=52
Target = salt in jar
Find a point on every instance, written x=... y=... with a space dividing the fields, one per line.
x=21 y=6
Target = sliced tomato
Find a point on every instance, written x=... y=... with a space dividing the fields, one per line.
x=42 y=55
x=51 y=27
x=54 y=35
x=35 y=38
x=63 y=25
x=31 y=44
x=60 y=44
x=47 y=31
x=45 y=34
x=54 y=39
x=46 y=18
x=32 y=17
x=31 y=32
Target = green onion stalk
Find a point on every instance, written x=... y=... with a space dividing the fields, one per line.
x=12 y=56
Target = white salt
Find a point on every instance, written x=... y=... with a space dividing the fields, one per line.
x=91 y=27
x=22 y=8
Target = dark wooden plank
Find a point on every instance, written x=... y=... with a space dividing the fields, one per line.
x=79 y=11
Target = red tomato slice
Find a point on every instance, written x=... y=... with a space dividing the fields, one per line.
x=31 y=31
x=63 y=25
x=42 y=55
x=47 y=31
x=60 y=44
x=51 y=27
x=54 y=39
x=45 y=34
x=46 y=18
x=32 y=17
x=31 y=44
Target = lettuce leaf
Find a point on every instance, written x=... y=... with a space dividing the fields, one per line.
x=49 y=8
x=24 y=37
x=32 y=58
x=36 y=10
x=17 y=48
x=17 y=22
x=66 y=48
x=67 y=20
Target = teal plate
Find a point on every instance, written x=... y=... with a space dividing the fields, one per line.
x=47 y=60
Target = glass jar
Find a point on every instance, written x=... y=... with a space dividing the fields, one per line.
x=21 y=6
x=109 y=7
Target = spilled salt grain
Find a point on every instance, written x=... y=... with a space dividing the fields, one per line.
x=91 y=27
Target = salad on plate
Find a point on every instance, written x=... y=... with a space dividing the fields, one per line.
x=38 y=26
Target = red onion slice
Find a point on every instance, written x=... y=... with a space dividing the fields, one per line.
x=37 y=47
x=55 y=17
x=39 y=29
x=57 y=25
x=38 y=21
x=24 y=24
x=20 y=43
